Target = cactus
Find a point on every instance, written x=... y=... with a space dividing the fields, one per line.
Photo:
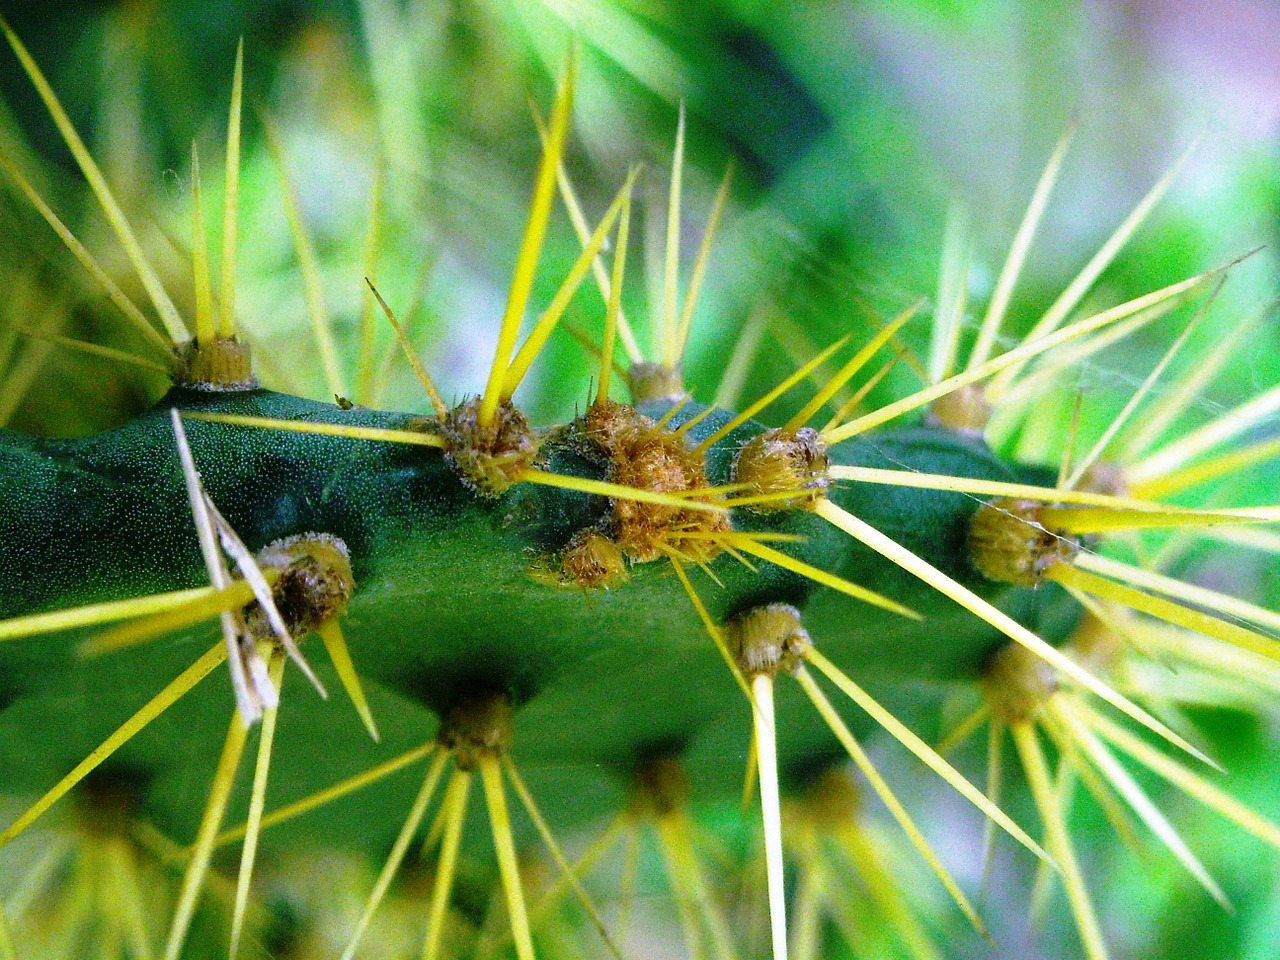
x=591 y=620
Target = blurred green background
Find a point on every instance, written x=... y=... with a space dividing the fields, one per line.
x=854 y=128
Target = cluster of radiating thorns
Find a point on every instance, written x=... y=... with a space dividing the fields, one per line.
x=663 y=508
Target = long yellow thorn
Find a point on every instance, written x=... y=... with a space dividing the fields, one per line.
x=745 y=349
x=1185 y=780
x=1083 y=520
x=1165 y=610
x=684 y=910
x=579 y=220
x=1140 y=394
x=372 y=248
x=672 y=410
x=627 y=886
x=671 y=271
x=1246 y=537
x=754 y=408
x=1008 y=278
x=308 y=262
x=157 y=705
x=1070 y=298
x=1072 y=767
x=965 y=729
x=603 y=844
x=1138 y=800
x=613 y=308
x=952 y=297
x=505 y=846
x=995 y=785
x=1067 y=361
x=398 y=851
x=98 y=183
x=847 y=372
x=257 y=801
x=704 y=254
x=530 y=248
x=726 y=538
x=93 y=614
x=1073 y=433
x=126 y=895
x=799 y=348
x=1191 y=445
x=675 y=835
x=1026 y=351
x=7 y=949
x=713 y=630
x=810 y=892
x=19 y=379
x=335 y=792
x=750 y=773
x=788 y=562
x=424 y=378
x=618 y=491
x=1232 y=462
x=860 y=394
x=453 y=810
x=994 y=488
x=869 y=536
x=1188 y=592
x=203 y=282
x=922 y=751
x=351 y=431
x=193 y=879
x=887 y=796
x=211 y=604
x=335 y=643
x=128 y=309
x=886 y=892
x=109 y=353
x=567 y=870
x=777 y=496
x=766 y=739
x=231 y=202
x=546 y=324
x=1174 y=401
x=1059 y=841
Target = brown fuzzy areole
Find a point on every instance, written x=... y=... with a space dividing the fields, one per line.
x=1009 y=544
x=222 y=366
x=1017 y=683
x=1097 y=646
x=768 y=640
x=590 y=560
x=488 y=459
x=830 y=802
x=1104 y=477
x=643 y=455
x=660 y=787
x=655 y=381
x=314 y=583
x=779 y=462
x=964 y=411
x=476 y=727
x=593 y=560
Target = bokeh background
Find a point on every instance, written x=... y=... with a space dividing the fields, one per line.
x=856 y=131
